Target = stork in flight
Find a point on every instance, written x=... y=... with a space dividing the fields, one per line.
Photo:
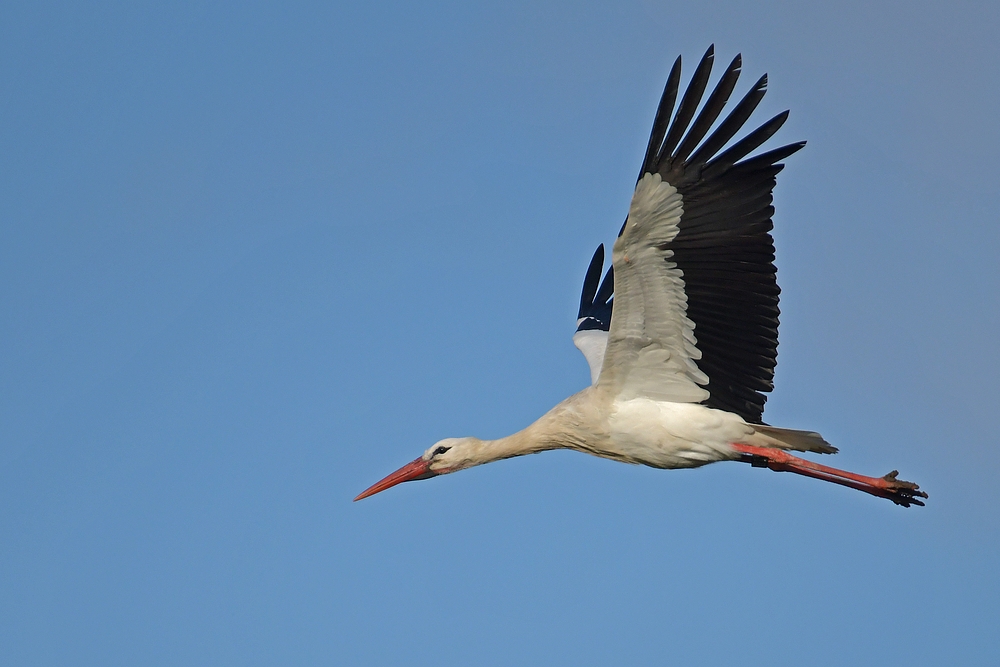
x=682 y=333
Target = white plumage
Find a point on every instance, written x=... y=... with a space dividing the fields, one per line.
x=651 y=346
x=681 y=335
x=592 y=343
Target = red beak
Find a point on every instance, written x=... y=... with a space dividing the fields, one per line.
x=418 y=469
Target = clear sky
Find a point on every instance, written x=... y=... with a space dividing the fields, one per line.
x=253 y=258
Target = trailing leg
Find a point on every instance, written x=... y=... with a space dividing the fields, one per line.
x=896 y=490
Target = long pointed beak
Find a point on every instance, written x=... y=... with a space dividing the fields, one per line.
x=418 y=469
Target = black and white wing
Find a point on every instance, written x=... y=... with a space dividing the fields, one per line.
x=696 y=299
x=594 y=319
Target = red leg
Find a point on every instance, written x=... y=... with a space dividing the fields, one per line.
x=898 y=491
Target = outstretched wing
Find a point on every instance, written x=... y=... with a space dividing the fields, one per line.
x=696 y=303
x=594 y=320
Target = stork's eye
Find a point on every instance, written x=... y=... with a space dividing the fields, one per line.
x=440 y=450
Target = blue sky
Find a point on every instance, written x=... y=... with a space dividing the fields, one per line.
x=253 y=259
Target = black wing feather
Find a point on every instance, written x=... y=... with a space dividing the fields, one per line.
x=596 y=303
x=752 y=141
x=662 y=119
x=689 y=103
x=729 y=127
x=713 y=107
x=607 y=290
x=591 y=282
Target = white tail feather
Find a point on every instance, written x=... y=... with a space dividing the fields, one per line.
x=788 y=438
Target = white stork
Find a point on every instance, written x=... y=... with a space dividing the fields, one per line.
x=681 y=355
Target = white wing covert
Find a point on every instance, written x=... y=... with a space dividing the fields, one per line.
x=651 y=344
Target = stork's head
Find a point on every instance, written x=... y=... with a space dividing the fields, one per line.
x=448 y=455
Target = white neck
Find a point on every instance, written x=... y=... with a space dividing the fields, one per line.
x=562 y=427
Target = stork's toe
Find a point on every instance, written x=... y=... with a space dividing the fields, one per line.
x=902 y=492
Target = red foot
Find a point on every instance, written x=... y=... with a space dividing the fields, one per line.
x=898 y=491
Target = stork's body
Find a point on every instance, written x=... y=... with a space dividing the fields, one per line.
x=683 y=353
x=660 y=434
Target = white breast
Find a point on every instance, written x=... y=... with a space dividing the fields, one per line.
x=674 y=435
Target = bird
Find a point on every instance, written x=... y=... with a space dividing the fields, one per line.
x=681 y=335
